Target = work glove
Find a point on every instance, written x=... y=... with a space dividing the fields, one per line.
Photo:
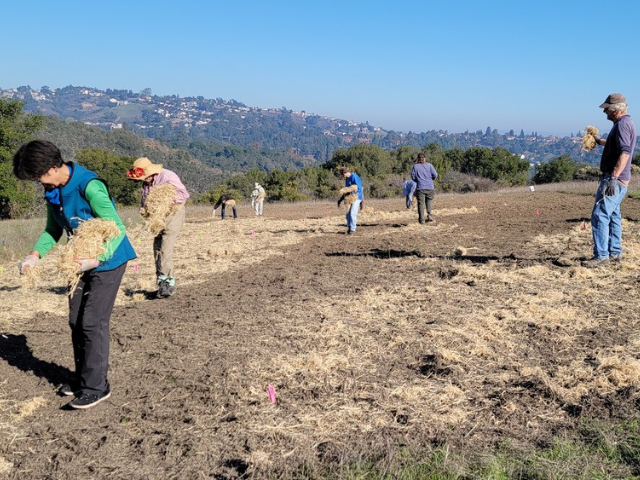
x=611 y=185
x=597 y=138
x=341 y=199
x=87 y=264
x=29 y=261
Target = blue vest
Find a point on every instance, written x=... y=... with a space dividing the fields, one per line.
x=75 y=208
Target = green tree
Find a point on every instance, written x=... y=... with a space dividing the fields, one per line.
x=559 y=169
x=113 y=170
x=17 y=198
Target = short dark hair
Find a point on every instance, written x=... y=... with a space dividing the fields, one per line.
x=34 y=159
x=344 y=170
x=422 y=157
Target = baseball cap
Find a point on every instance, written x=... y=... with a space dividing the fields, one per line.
x=613 y=99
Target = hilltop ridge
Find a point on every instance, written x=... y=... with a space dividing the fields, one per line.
x=305 y=138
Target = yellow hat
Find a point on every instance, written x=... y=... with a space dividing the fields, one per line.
x=143 y=168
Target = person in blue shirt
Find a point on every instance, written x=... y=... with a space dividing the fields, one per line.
x=615 y=165
x=424 y=174
x=74 y=194
x=352 y=184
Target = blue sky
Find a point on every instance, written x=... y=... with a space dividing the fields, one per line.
x=541 y=66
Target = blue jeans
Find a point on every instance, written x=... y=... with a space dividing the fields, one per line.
x=606 y=221
x=352 y=215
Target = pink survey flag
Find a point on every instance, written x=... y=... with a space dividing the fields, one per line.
x=272 y=394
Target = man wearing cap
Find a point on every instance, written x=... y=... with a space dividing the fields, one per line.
x=257 y=198
x=153 y=175
x=615 y=165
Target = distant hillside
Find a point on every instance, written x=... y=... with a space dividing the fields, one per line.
x=72 y=136
x=234 y=137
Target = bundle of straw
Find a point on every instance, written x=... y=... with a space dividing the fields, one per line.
x=158 y=206
x=589 y=140
x=87 y=242
x=30 y=277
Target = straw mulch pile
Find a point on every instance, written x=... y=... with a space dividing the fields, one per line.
x=87 y=242
x=158 y=206
x=589 y=140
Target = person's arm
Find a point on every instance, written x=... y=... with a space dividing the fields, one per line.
x=626 y=140
x=98 y=197
x=434 y=174
x=48 y=238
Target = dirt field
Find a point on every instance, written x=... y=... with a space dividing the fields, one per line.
x=478 y=328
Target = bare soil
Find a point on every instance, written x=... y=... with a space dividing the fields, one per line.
x=477 y=328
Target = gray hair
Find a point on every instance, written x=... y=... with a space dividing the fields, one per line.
x=618 y=107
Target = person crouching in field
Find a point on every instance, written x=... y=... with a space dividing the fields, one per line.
x=424 y=174
x=257 y=198
x=224 y=201
x=153 y=175
x=615 y=165
x=353 y=185
x=84 y=196
x=409 y=191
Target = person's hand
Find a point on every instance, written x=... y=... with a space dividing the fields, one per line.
x=611 y=185
x=597 y=138
x=87 y=264
x=29 y=261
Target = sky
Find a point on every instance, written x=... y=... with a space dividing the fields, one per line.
x=405 y=65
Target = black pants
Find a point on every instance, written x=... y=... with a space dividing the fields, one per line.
x=424 y=195
x=90 y=310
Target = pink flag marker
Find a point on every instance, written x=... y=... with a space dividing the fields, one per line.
x=135 y=268
x=584 y=226
x=537 y=211
x=272 y=394
x=253 y=233
x=505 y=204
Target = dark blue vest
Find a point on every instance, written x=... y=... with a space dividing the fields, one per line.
x=75 y=208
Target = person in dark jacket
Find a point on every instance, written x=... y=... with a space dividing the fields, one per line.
x=226 y=201
x=84 y=196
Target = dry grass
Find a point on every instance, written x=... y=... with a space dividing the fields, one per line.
x=158 y=206
x=588 y=140
x=88 y=241
x=466 y=327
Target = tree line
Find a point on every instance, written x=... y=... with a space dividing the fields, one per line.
x=382 y=171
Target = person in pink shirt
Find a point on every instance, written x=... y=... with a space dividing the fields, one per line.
x=152 y=175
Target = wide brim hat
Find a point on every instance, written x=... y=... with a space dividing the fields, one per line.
x=143 y=168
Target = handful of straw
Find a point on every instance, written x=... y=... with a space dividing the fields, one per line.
x=589 y=140
x=158 y=206
x=87 y=242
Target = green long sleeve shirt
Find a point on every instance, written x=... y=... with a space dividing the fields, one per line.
x=98 y=198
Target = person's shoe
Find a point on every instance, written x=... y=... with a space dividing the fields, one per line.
x=615 y=258
x=350 y=232
x=171 y=290
x=429 y=218
x=163 y=289
x=596 y=262
x=88 y=400
x=69 y=390
x=421 y=222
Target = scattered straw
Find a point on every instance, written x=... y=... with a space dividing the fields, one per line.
x=5 y=466
x=87 y=242
x=30 y=277
x=27 y=408
x=158 y=206
x=589 y=140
